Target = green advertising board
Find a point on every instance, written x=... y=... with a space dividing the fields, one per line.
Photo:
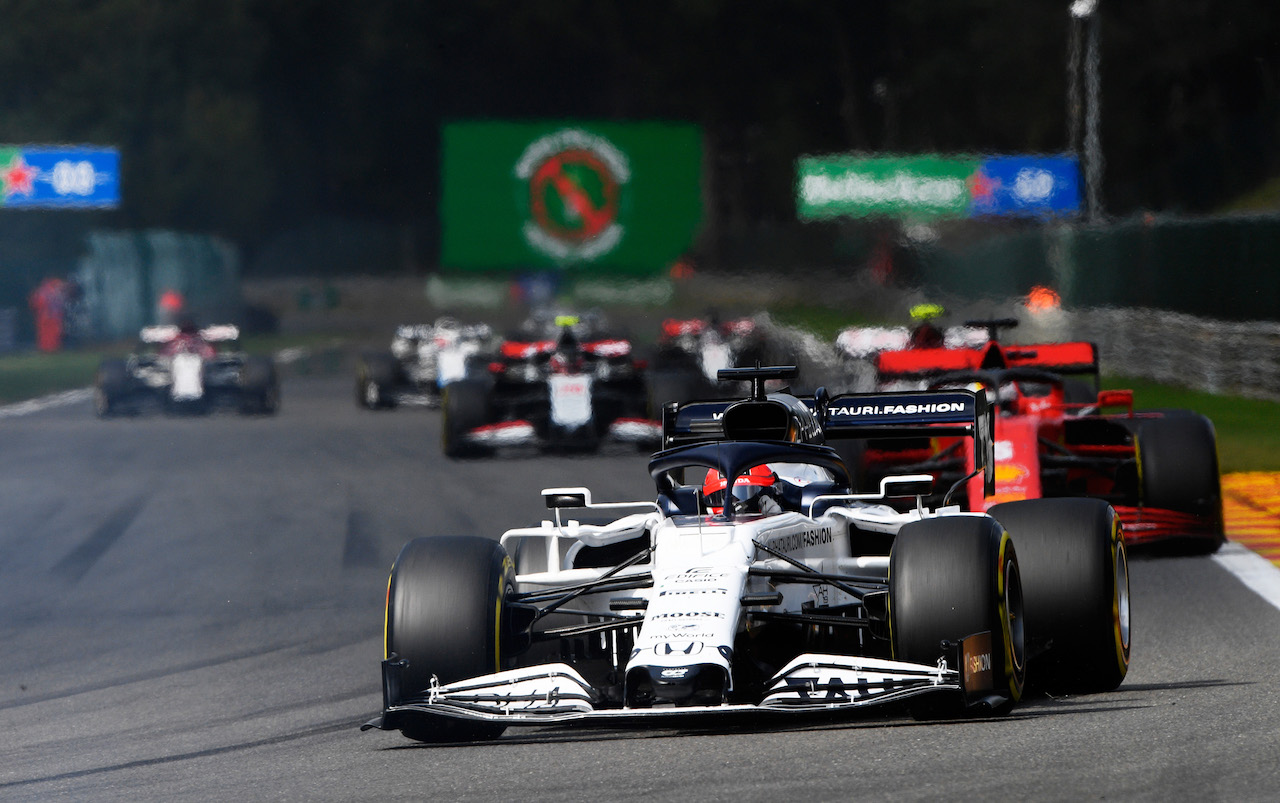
x=915 y=187
x=620 y=198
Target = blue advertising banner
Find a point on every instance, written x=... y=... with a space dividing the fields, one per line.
x=59 y=176
x=1026 y=186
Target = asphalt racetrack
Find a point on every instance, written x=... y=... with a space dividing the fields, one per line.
x=191 y=610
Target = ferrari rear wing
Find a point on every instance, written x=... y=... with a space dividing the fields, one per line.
x=1060 y=358
x=1075 y=358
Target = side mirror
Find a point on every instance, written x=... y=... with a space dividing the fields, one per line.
x=557 y=498
x=906 y=486
x=1116 y=398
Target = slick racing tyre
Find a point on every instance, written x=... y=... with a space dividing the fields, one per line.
x=949 y=578
x=109 y=387
x=465 y=406
x=1178 y=470
x=375 y=376
x=259 y=387
x=446 y=614
x=1075 y=575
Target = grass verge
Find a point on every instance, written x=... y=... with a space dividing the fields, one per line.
x=1248 y=439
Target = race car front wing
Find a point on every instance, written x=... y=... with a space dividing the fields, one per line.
x=556 y=693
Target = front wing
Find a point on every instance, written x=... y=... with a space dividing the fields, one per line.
x=556 y=693
x=1146 y=525
x=520 y=432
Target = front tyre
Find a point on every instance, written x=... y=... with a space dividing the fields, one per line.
x=1075 y=573
x=465 y=406
x=109 y=387
x=950 y=578
x=376 y=375
x=446 y=613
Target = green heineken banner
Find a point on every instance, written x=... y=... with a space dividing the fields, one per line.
x=926 y=187
x=593 y=197
x=909 y=186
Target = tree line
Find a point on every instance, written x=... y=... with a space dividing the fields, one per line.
x=246 y=117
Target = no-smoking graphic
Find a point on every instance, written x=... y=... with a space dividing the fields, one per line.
x=575 y=182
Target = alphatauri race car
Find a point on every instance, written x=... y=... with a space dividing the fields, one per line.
x=758 y=581
x=180 y=368
x=1058 y=434
x=423 y=358
x=575 y=389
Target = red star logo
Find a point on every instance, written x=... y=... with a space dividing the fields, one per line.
x=981 y=187
x=18 y=177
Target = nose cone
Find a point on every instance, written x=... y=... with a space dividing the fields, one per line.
x=695 y=684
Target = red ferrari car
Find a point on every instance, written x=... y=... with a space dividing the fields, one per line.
x=1058 y=434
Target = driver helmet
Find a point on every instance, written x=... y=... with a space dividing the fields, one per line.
x=925 y=335
x=567 y=356
x=746 y=489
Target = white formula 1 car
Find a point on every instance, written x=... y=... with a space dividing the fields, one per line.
x=422 y=360
x=181 y=368
x=759 y=582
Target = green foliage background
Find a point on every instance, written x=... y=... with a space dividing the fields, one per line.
x=244 y=117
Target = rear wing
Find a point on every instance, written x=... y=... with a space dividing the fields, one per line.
x=215 y=333
x=921 y=363
x=915 y=414
x=1060 y=358
x=919 y=414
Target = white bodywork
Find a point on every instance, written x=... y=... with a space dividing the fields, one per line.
x=186 y=377
x=436 y=354
x=700 y=571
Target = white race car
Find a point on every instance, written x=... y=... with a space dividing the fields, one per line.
x=759 y=581
x=422 y=360
x=182 y=368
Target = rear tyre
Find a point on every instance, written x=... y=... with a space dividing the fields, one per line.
x=1075 y=573
x=465 y=406
x=446 y=613
x=109 y=387
x=1178 y=470
x=950 y=578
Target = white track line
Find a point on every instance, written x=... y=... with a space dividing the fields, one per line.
x=46 y=402
x=283 y=356
x=1257 y=573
